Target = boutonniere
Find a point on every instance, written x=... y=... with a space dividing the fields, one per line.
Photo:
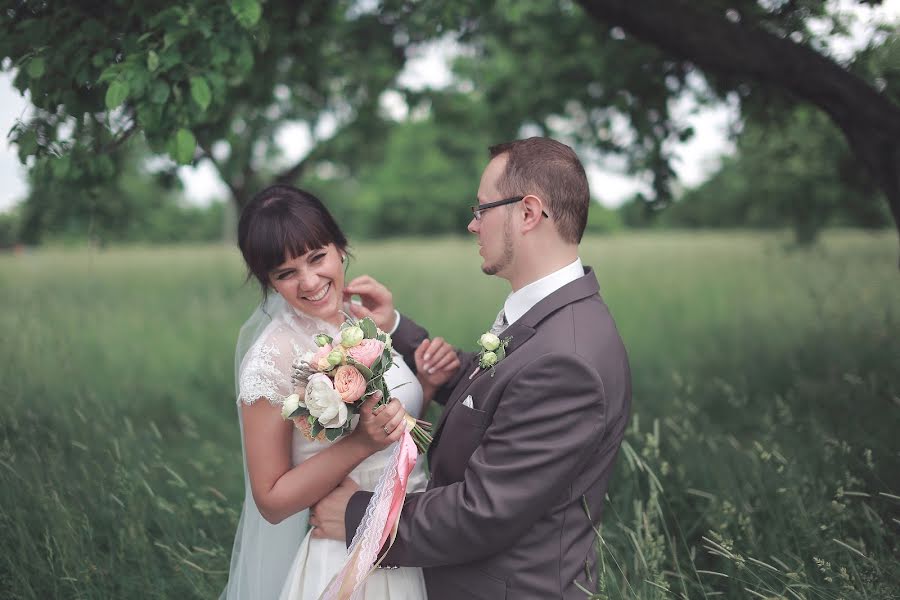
x=493 y=350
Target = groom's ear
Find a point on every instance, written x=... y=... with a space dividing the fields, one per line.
x=532 y=212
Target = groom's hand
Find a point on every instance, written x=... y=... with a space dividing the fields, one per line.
x=327 y=515
x=377 y=301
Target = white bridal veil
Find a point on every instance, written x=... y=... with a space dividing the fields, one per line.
x=262 y=553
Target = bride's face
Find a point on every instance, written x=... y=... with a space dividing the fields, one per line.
x=313 y=282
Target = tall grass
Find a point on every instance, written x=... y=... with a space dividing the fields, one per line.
x=761 y=460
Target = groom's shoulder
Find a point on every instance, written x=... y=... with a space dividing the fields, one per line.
x=585 y=328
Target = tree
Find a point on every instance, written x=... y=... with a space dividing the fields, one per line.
x=132 y=205
x=797 y=172
x=743 y=40
x=604 y=74
x=203 y=79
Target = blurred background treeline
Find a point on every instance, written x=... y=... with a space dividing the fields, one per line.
x=795 y=173
x=219 y=85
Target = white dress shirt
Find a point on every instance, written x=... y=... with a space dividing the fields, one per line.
x=520 y=302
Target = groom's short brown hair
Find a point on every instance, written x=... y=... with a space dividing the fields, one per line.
x=550 y=170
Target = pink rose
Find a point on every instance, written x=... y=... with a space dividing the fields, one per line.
x=366 y=352
x=349 y=383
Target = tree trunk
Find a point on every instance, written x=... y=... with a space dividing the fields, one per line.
x=708 y=39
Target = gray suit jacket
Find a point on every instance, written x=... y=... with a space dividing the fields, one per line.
x=503 y=515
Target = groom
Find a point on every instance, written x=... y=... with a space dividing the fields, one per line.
x=521 y=449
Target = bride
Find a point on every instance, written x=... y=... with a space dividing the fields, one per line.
x=293 y=247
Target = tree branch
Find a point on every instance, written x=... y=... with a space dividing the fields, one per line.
x=708 y=39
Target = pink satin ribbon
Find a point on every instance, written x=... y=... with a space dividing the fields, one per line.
x=345 y=586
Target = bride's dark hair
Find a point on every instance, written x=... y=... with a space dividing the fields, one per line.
x=282 y=222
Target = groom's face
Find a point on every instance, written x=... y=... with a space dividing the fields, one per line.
x=494 y=229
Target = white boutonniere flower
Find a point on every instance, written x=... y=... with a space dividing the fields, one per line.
x=493 y=350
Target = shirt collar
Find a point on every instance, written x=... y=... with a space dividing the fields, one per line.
x=520 y=302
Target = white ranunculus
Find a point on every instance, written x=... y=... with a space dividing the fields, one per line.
x=324 y=402
x=291 y=403
x=489 y=342
x=488 y=359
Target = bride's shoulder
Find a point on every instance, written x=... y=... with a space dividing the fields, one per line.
x=279 y=338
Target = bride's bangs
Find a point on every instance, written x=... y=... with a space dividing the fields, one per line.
x=281 y=223
x=299 y=236
x=286 y=238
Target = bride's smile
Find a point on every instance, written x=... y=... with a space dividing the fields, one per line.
x=320 y=295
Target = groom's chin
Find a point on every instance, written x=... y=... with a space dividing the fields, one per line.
x=489 y=269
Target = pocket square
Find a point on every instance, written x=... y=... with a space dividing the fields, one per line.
x=468 y=402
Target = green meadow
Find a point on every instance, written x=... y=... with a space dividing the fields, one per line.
x=762 y=459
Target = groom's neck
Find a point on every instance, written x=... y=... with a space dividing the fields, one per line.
x=531 y=264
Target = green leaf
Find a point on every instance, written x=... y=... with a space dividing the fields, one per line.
x=185 y=144
x=28 y=145
x=36 y=67
x=109 y=73
x=247 y=12
x=366 y=371
x=159 y=93
x=220 y=54
x=333 y=433
x=316 y=428
x=152 y=61
x=369 y=328
x=200 y=92
x=116 y=94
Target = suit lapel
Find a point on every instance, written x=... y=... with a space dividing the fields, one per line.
x=520 y=332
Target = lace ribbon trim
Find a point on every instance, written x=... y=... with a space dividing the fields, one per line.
x=380 y=521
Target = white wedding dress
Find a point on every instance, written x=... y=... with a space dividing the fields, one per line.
x=283 y=561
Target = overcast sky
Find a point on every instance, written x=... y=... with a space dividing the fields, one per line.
x=695 y=160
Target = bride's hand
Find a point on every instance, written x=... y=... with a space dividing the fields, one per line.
x=377 y=301
x=436 y=363
x=379 y=426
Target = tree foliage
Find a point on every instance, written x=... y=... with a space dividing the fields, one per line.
x=133 y=205
x=209 y=80
x=604 y=74
x=798 y=172
x=201 y=79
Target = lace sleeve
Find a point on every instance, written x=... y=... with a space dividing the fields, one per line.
x=267 y=368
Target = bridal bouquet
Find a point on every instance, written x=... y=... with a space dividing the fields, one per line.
x=337 y=379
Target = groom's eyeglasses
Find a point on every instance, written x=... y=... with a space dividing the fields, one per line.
x=480 y=208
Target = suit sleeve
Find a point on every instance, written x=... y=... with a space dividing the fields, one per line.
x=549 y=418
x=407 y=338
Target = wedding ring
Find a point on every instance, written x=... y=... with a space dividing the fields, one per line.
x=386 y=432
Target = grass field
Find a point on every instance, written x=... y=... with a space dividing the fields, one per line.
x=762 y=461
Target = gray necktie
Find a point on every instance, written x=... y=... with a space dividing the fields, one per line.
x=500 y=323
